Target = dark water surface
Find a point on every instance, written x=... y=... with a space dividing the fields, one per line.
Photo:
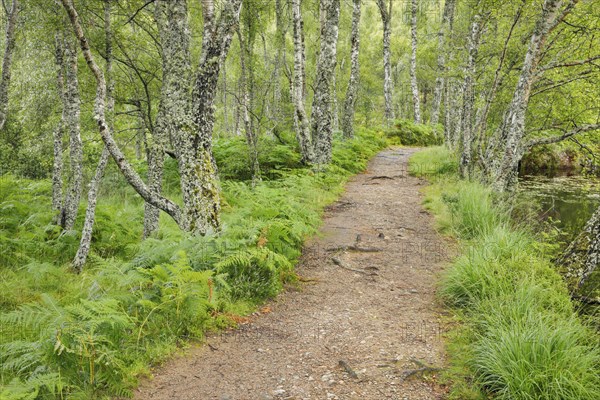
x=569 y=200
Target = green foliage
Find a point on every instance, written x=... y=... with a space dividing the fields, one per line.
x=254 y=274
x=436 y=161
x=521 y=337
x=407 y=132
x=274 y=156
x=91 y=335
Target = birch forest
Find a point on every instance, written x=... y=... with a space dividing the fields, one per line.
x=165 y=165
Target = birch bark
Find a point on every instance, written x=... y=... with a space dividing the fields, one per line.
x=251 y=137
x=592 y=260
x=57 y=166
x=322 y=112
x=504 y=172
x=469 y=96
x=90 y=212
x=386 y=18
x=414 y=86
x=445 y=29
x=302 y=123
x=72 y=108
x=197 y=167
x=105 y=132
x=353 y=82
x=10 y=38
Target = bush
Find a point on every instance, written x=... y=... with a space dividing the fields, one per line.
x=409 y=133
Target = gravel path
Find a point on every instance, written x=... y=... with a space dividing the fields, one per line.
x=364 y=324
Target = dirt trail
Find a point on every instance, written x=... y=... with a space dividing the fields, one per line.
x=364 y=326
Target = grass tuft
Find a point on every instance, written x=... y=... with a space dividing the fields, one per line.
x=520 y=336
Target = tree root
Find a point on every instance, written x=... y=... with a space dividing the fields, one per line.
x=339 y=263
x=344 y=365
x=355 y=248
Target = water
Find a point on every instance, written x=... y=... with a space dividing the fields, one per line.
x=568 y=200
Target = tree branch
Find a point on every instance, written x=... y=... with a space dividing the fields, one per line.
x=565 y=135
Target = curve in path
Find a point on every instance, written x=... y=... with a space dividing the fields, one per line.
x=365 y=325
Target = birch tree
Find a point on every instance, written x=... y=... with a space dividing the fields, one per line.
x=469 y=95
x=9 y=47
x=174 y=110
x=353 y=81
x=298 y=92
x=321 y=116
x=124 y=166
x=444 y=32
x=57 y=165
x=246 y=99
x=413 y=63
x=197 y=167
x=504 y=172
x=90 y=212
x=72 y=112
x=386 y=19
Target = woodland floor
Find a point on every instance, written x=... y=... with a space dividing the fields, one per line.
x=360 y=325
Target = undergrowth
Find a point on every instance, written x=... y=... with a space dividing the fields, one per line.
x=91 y=335
x=520 y=336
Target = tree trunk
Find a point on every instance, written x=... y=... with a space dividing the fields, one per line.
x=251 y=137
x=592 y=230
x=445 y=30
x=321 y=116
x=90 y=212
x=302 y=125
x=469 y=97
x=11 y=28
x=353 y=82
x=199 y=182
x=174 y=107
x=57 y=167
x=513 y=128
x=413 y=63
x=72 y=123
x=386 y=18
x=126 y=169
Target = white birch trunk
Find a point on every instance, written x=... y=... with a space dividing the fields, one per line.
x=251 y=137
x=414 y=86
x=469 y=97
x=199 y=182
x=504 y=173
x=302 y=123
x=126 y=169
x=73 y=125
x=90 y=212
x=57 y=166
x=444 y=31
x=322 y=110
x=353 y=82
x=9 y=41
x=386 y=18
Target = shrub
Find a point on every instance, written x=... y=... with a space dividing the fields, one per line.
x=409 y=133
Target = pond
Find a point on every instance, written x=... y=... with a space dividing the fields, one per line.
x=568 y=202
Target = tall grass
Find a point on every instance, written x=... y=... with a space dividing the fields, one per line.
x=521 y=337
x=92 y=335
